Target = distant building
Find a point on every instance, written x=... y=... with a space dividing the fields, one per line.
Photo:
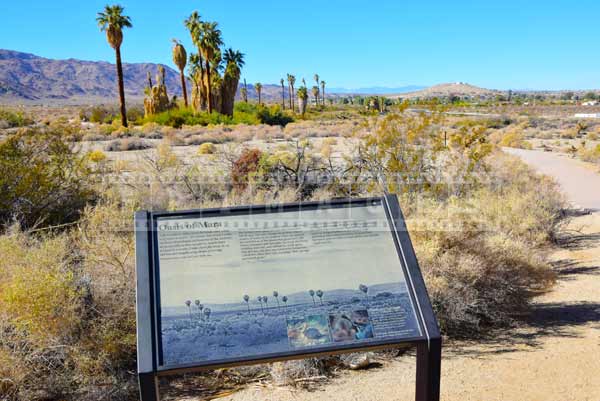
x=584 y=115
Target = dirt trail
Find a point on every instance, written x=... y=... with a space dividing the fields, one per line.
x=555 y=355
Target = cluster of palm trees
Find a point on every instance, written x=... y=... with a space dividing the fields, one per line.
x=263 y=300
x=214 y=72
x=318 y=92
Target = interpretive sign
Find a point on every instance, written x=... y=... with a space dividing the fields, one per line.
x=232 y=286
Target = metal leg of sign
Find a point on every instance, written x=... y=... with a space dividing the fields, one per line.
x=429 y=357
x=148 y=387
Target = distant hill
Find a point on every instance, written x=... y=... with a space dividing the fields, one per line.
x=461 y=89
x=28 y=78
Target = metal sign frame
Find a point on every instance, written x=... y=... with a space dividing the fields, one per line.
x=150 y=366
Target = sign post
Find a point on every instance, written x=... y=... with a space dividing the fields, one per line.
x=245 y=285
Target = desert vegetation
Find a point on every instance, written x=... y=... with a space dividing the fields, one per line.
x=479 y=220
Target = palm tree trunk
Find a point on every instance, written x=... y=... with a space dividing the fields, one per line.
x=290 y=88
x=292 y=97
x=208 y=87
x=183 y=85
x=282 y=97
x=259 y=98
x=121 y=87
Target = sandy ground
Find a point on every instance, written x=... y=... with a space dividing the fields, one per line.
x=553 y=355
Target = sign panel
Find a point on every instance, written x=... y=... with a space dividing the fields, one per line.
x=265 y=283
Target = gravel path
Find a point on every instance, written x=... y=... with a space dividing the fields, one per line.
x=578 y=179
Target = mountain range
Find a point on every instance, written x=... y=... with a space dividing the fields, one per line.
x=27 y=78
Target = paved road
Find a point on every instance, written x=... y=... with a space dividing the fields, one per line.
x=578 y=180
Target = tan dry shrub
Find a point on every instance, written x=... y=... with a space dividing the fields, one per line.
x=207 y=148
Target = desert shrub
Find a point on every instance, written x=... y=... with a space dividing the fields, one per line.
x=97 y=156
x=39 y=300
x=93 y=137
x=207 y=148
x=177 y=118
x=270 y=115
x=14 y=119
x=242 y=169
x=514 y=139
x=44 y=182
x=590 y=155
x=126 y=144
x=68 y=310
x=592 y=136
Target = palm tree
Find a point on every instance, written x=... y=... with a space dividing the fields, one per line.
x=365 y=289
x=312 y=294
x=320 y=295
x=247 y=299
x=245 y=91
x=210 y=42
x=194 y=25
x=315 y=93
x=302 y=99
x=180 y=60
x=266 y=300
x=258 y=87
x=281 y=81
x=207 y=312
x=234 y=61
x=323 y=92
x=199 y=306
x=112 y=21
x=291 y=81
x=317 y=80
x=276 y=295
x=188 y=303
x=260 y=302
x=284 y=299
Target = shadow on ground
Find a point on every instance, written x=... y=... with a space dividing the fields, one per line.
x=556 y=319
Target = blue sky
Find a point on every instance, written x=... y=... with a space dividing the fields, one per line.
x=550 y=44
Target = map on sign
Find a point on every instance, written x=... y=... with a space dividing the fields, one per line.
x=263 y=284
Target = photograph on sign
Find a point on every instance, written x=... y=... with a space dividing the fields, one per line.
x=258 y=285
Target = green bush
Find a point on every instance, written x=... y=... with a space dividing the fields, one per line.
x=14 y=119
x=244 y=113
x=43 y=181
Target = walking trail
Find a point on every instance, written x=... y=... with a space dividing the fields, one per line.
x=554 y=355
